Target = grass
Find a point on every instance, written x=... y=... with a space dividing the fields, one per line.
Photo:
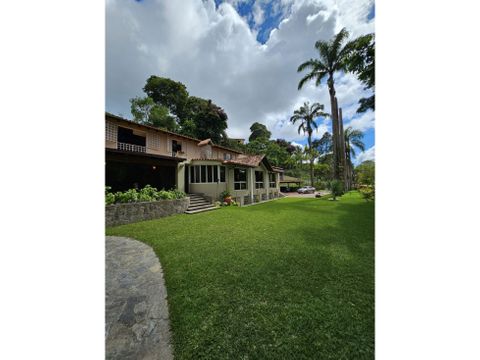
x=288 y=279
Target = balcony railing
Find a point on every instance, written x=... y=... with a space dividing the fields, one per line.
x=131 y=147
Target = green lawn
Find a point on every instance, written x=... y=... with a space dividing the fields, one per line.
x=287 y=279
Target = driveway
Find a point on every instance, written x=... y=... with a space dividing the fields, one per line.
x=297 y=195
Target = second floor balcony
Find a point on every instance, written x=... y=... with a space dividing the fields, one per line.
x=131 y=147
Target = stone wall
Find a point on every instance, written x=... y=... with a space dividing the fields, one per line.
x=119 y=214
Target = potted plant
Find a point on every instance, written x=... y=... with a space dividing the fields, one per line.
x=226 y=197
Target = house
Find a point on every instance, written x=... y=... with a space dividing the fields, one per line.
x=137 y=155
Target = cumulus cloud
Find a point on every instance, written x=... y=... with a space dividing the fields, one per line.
x=214 y=52
x=368 y=154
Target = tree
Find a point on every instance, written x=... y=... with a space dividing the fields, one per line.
x=169 y=93
x=365 y=173
x=259 y=131
x=332 y=55
x=361 y=61
x=145 y=111
x=353 y=139
x=210 y=121
x=306 y=115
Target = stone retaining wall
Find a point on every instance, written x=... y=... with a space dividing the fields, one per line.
x=119 y=214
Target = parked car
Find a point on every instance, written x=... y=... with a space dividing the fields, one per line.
x=306 y=190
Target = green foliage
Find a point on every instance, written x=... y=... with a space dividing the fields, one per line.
x=145 y=111
x=365 y=173
x=337 y=188
x=321 y=185
x=169 y=93
x=361 y=61
x=224 y=194
x=259 y=131
x=148 y=193
x=368 y=192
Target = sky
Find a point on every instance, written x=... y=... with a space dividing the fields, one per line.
x=241 y=54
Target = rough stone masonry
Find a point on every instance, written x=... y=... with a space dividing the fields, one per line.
x=136 y=310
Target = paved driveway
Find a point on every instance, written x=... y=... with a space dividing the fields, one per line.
x=297 y=195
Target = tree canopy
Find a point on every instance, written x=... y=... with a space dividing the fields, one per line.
x=259 y=131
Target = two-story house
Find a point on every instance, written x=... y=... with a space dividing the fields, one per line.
x=137 y=155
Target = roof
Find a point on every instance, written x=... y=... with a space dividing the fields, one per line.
x=107 y=114
x=246 y=160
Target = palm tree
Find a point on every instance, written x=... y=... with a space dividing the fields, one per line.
x=353 y=139
x=307 y=114
x=332 y=59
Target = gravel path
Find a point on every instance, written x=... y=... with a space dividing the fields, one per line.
x=136 y=310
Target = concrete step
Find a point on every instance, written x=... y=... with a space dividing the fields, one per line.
x=202 y=206
x=200 y=210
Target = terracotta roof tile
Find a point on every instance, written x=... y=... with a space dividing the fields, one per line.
x=205 y=142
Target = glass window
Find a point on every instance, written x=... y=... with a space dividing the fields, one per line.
x=240 y=179
x=272 y=182
x=209 y=173
x=197 y=174
x=215 y=173
x=222 y=174
x=203 y=173
x=258 y=179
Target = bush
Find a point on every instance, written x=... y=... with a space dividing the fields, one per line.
x=148 y=193
x=321 y=185
x=368 y=192
x=336 y=187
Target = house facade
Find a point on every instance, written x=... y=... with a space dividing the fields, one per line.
x=137 y=155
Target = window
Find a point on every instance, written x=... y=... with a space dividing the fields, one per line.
x=272 y=182
x=222 y=173
x=206 y=174
x=258 y=179
x=240 y=179
x=227 y=156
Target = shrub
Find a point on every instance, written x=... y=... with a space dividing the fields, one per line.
x=148 y=193
x=321 y=185
x=336 y=187
x=368 y=192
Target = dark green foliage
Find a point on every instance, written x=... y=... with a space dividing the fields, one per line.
x=169 y=93
x=259 y=131
x=337 y=188
x=145 y=111
x=361 y=61
x=365 y=173
x=287 y=279
x=323 y=145
x=148 y=193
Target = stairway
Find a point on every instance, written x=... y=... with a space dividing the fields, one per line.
x=198 y=204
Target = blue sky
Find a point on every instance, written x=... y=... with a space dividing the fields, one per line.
x=242 y=54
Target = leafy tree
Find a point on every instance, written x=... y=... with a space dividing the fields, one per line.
x=210 y=121
x=361 y=61
x=259 y=131
x=287 y=145
x=145 y=111
x=306 y=115
x=353 y=139
x=332 y=56
x=324 y=144
x=365 y=173
x=256 y=147
x=169 y=93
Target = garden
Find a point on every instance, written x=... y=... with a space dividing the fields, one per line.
x=289 y=279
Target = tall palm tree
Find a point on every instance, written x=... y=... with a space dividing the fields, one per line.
x=332 y=58
x=307 y=114
x=353 y=139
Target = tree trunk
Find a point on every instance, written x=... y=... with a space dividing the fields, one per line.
x=343 y=150
x=334 y=114
x=311 y=157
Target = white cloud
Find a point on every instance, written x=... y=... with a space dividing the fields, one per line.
x=362 y=122
x=216 y=55
x=368 y=154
